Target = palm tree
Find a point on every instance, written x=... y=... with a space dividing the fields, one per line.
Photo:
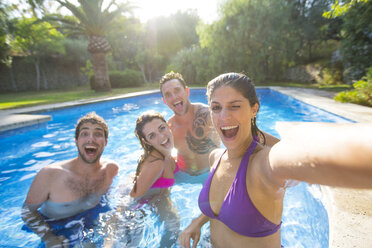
x=93 y=20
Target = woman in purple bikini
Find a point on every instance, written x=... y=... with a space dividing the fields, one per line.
x=243 y=194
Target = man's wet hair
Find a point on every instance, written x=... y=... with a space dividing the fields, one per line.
x=93 y=118
x=169 y=76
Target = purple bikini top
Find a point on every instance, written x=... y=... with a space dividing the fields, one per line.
x=237 y=210
x=163 y=182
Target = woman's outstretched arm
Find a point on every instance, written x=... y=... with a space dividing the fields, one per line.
x=324 y=153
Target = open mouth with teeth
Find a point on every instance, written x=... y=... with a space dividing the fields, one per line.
x=90 y=150
x=229 y=131
x=178 y=105
x=166 y=143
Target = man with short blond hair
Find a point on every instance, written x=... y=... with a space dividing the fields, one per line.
x=191 y=125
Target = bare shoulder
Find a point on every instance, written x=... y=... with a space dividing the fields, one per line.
x=56 y=169
x=51 y=174
x=151 y=169
x=261 y=165
x=201 y=107
x=171 y=121
x=201 y=115
x=214 y=155
x=270 y=139
x=153 y=164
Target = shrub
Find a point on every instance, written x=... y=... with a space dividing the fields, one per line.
x=126 y=78
x=92 y=83
x=362 y=92
x=122 y=79
x=331 y=76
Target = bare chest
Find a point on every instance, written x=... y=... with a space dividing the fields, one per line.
x=85 y=185
x=220 y=187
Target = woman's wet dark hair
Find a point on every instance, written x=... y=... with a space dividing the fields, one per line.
x=241 y=83
x=142 y=120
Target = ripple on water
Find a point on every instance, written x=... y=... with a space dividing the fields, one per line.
x=28 y=176
x=4 y=179
x=125 y=108
x=8 y=171
x=42 y=144
x=38 y=165
x=44 y=154
x=50 y=135
x=29 y=162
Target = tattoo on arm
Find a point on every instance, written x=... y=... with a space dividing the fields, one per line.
x=200 y=144
x=200 y=122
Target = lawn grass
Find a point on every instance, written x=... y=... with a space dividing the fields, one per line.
x=33 y=98
x=335 y=88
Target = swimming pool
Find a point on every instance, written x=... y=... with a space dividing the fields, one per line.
x=25 y=151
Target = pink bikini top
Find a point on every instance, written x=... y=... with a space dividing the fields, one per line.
x=163 y=182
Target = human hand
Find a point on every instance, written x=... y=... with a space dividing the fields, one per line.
x=191 y=232
x=53 y=241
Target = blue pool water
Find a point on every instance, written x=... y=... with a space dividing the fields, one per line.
x=25 y=151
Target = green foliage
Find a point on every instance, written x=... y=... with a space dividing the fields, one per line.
x=310 y=26
x=37 y=39
x=163 y=38
x=247 y=38
x=76 y=50
x=126 y=78
x=93 y=18
x=126 y=39
x=87 y=70
x=90 y=17
x=325 y=50
x=262 y=37
x=340 y=8
x=151 y=63
x=122 y=79
x=362 y=93
x=331 y=76
x=356 y=48
x=168 y=35
x=4 y=31
x=194 y=64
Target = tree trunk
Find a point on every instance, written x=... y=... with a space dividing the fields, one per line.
x=14 y=85
x=37 y=69
x=101 y=76
x=142 y=68
x=149 y=72
x=45 y=80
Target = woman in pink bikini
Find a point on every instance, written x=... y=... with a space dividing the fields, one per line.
x=156 y=167
x=155 y=171
x=243 y=194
